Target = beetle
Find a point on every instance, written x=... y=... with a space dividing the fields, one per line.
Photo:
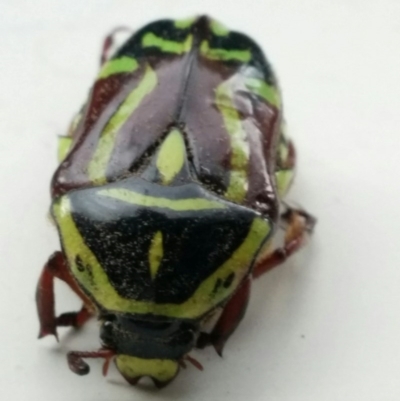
x=169 y=195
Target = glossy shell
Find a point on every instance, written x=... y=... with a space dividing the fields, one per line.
x=214 y=84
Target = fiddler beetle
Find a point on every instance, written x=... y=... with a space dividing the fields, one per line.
x=168 y=196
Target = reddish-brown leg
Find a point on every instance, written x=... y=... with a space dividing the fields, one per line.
x=109 y=42
x=56 y=266
x=75 y=319
x=299 y=225
x=230 y=318
x=80 y=367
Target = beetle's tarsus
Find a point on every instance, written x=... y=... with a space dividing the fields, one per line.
x=74 y=319
x=299 y=226
x=80 y=367
x=77 y=364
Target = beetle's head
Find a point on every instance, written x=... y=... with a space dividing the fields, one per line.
x=148 y=346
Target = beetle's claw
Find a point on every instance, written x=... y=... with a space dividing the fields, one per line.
x=77 y=364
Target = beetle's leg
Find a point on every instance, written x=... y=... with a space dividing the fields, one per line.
x=299 y=225
x=56 y=266
x=75 y=319
x=80 y=367
x=229 y=320
x=109 y=42
x=194 y=362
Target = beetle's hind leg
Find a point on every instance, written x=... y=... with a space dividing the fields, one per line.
x=57 y=267
x=299 y=226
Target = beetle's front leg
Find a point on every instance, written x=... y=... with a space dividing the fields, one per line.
x=56 y=266
x=299 y=225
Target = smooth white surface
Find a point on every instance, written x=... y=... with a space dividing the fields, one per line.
x=326 y=325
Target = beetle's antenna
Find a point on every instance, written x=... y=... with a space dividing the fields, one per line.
x=80 y=367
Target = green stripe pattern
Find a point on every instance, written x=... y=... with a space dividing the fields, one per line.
x=64 y=145
x=185 y=23
x=167 y=46
x=243 y=56
x=283 y=180
x=98 y=165
x=218 y=29
x=240 y=150
x=178 y=205
x=268 y=92
x=118 y=66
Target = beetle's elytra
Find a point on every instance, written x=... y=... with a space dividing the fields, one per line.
x=168 y=196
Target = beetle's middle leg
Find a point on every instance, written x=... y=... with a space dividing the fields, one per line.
x=299 y=225
x=56 y=266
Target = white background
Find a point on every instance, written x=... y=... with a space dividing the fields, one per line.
x=326 y=325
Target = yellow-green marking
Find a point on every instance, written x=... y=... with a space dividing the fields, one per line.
x=156 y=253
x=185 y=23
x=283 y=180
x=223 y=54
x=167 y=46
x=159 y=369
x=171 y=156
x=179 y=205
x=240 y=149
x=268 y=92
x=64 y=145
x=98 y=165
x=218 y=29
x=118 y=66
